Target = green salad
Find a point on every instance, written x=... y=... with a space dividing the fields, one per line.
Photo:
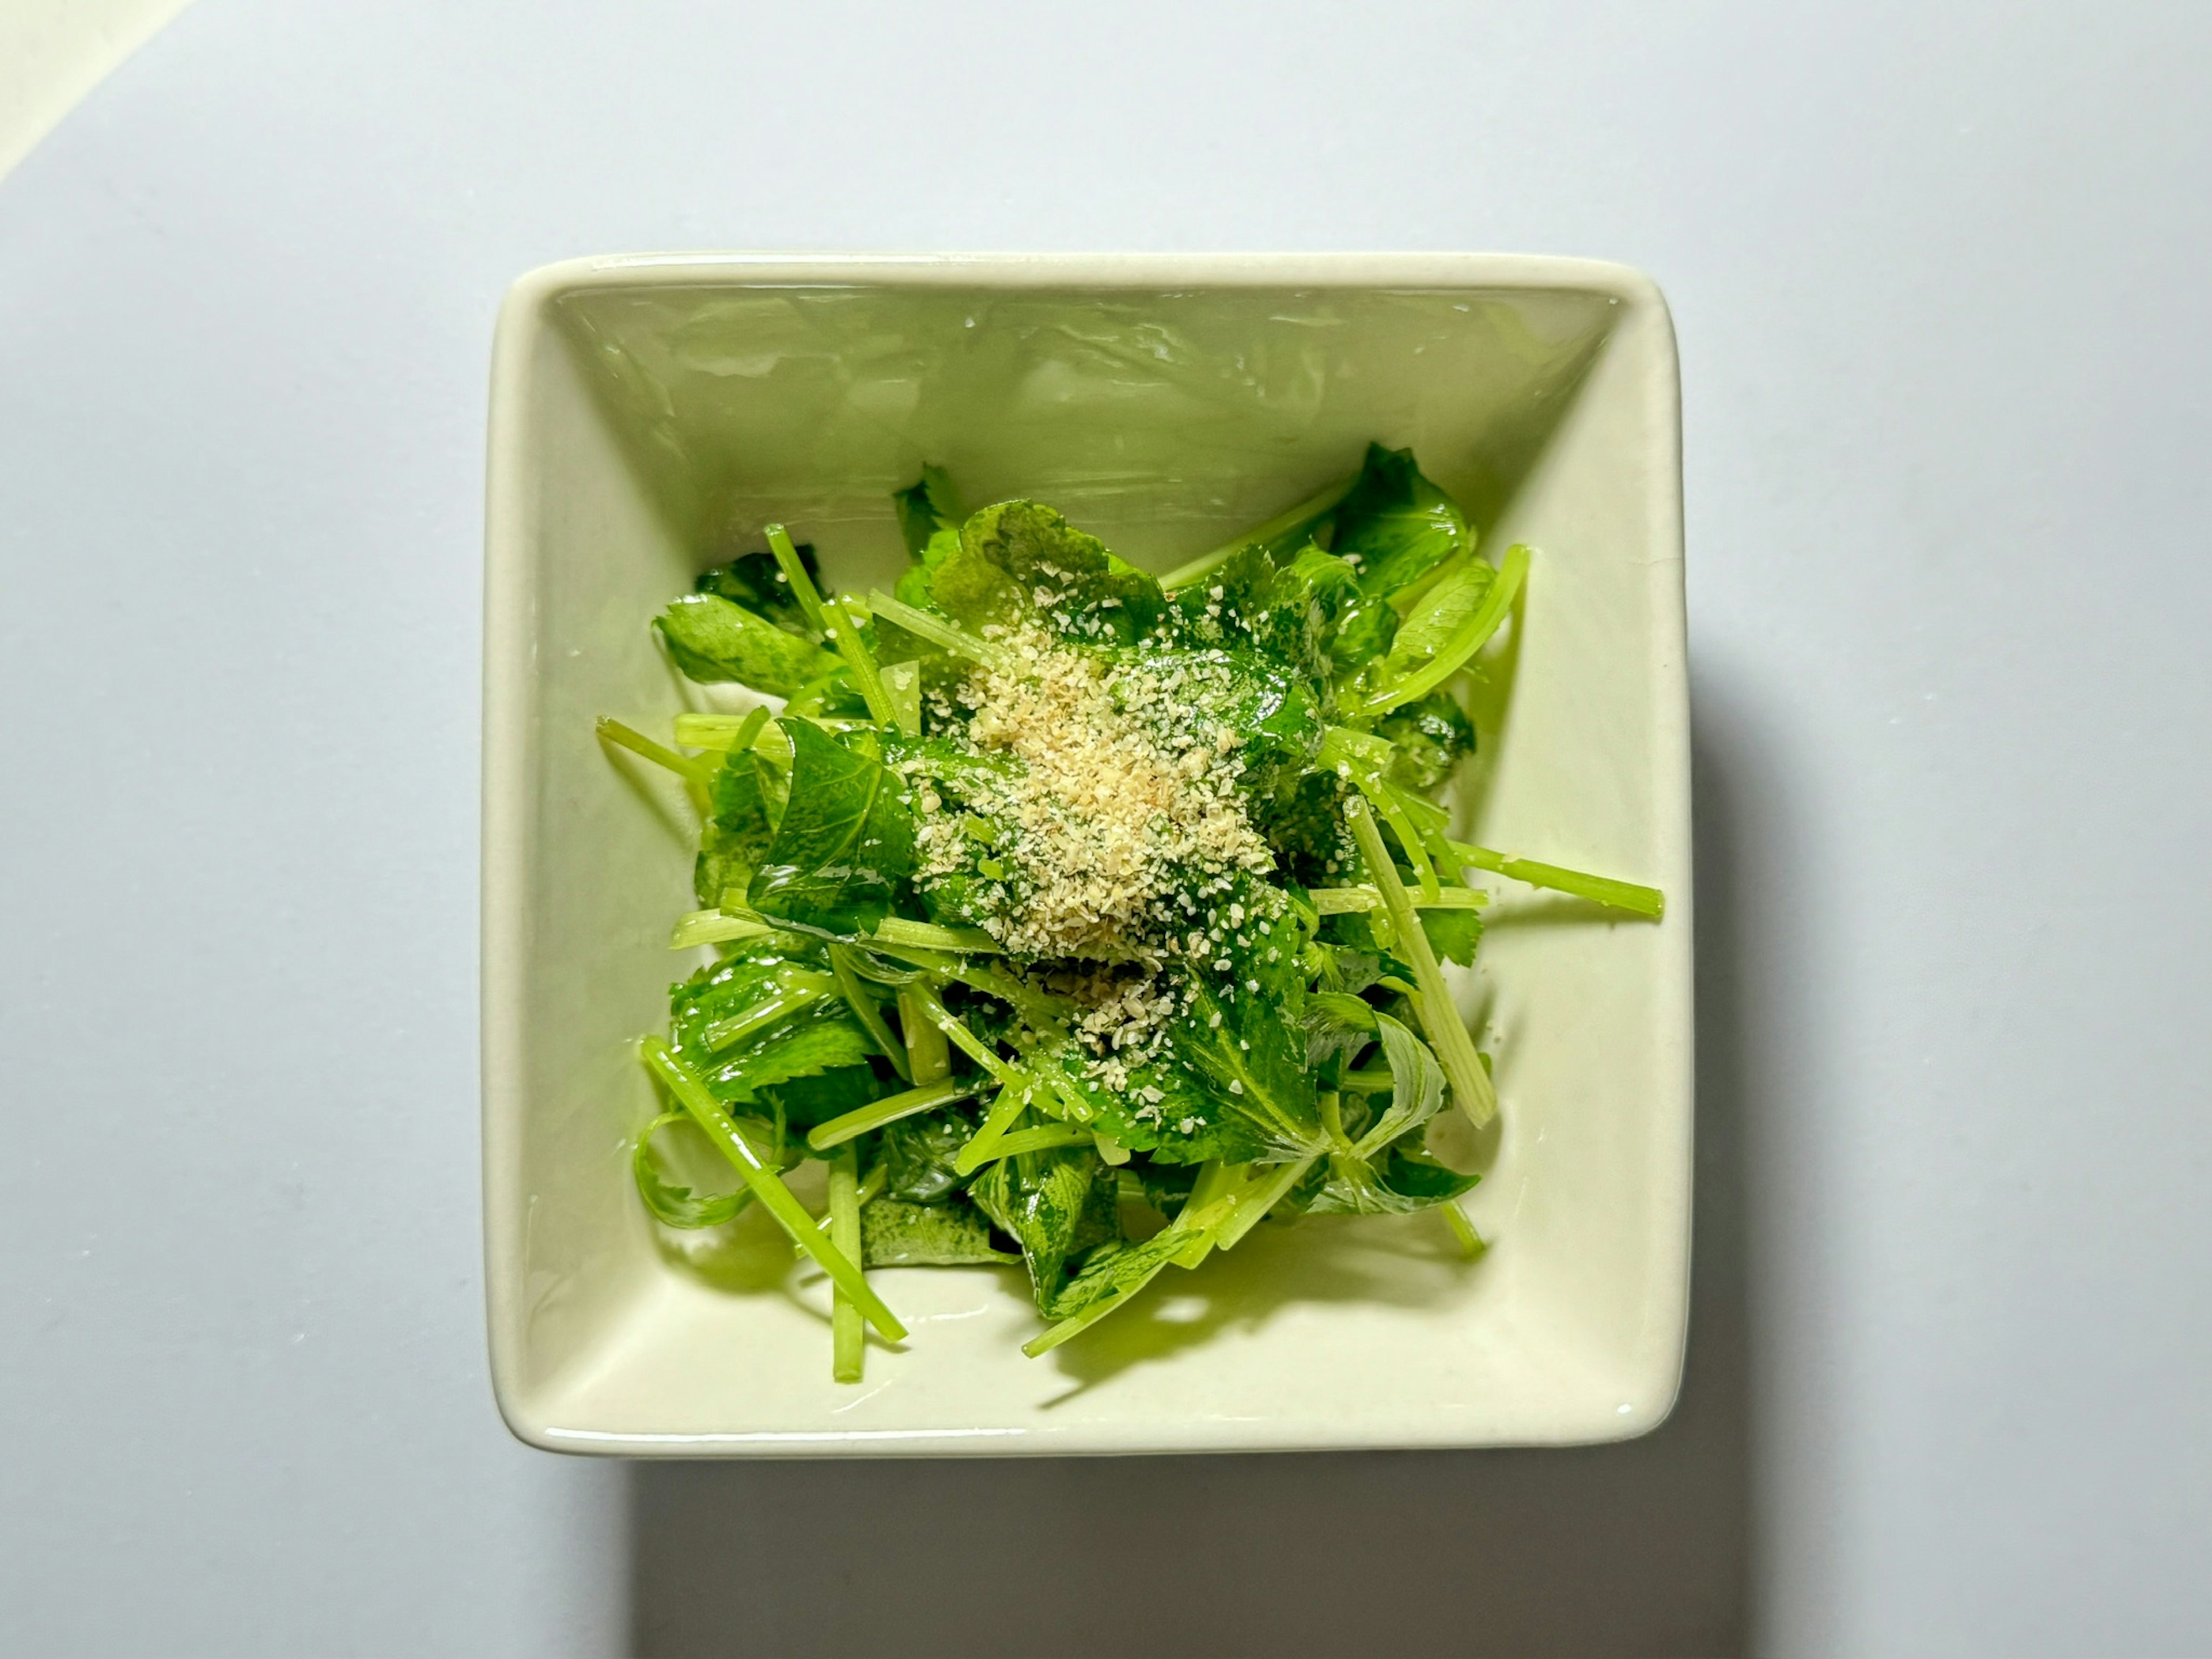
x=1079 y=919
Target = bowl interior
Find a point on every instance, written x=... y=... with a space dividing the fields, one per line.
x=649 y=419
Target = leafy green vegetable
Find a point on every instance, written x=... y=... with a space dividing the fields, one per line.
x=755 y=581
x=712 y=639
x=1053 y=1204
x=673 y=1206
x=918 y=1152
x=897 y=1234
x=928 y=509
x=1057 y=911
x=846 y=841
x=1395 y=526
x=1432 y=737
x=1011 y=554
x=802 y=1036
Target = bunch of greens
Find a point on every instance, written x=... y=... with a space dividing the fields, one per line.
x=1077 y=918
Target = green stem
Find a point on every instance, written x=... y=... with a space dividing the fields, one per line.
x=928 y=936
x=1305 y=513
x=1470 y=1241
x=967 y=1042
x=767 y=1186
x=924 y=1044
x=1011 y=1102
x=795 y=989
x=1253 y=1203
x=1341 y=900
x=903 y=685
x=941 y=1091
x=1601 y=889
x=686 y=767
x=1448 y=1035
x=1042 y=1139
x=1473 y=634
x=839 y=629
x=938 y=632
x=845 y=1336
x=1217 y=1184
x=865 y=1009
x=733 y=733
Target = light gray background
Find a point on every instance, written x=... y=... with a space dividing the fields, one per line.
x=1939 y=280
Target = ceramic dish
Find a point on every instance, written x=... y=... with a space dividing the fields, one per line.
x=648 y=413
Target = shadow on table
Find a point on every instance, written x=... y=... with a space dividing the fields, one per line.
x=1629 y=1549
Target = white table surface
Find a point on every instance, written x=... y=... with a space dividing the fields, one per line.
x=1937 y=277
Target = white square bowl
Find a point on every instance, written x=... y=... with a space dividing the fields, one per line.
x=648 y=413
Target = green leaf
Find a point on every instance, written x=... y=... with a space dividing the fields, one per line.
x=1432 y=735
x=1364 y=629
x=1183 y=1120
x=1285 y=615
x=755 y=581
x=845 y=845
x=966 y=786
x=926 y=509
x=712 y=639
x=1417 y=1085
x=1108 y=1272
x=1011 y=552
x=1455 y=935
x=1396 y=1184
x=1053 y=1204
x=820 y=1096
x=1267 y=705
x=897 y=1234
x=1438 y=615
x=1395 y=526
x=673 y=1206
x=819 y=1036
x=917 y=1154
x=1244 y=1032
x=746 y=796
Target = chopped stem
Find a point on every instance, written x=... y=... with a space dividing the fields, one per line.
x=1470 y=1084
x=937 y=631
x=1601 y=889
x=1290 y=518
x=838 y=628
x=1041 y=1139
x=1216 y=1181
x=734 y=733
x=1366 y=1082
x=890 y=1109
x=1341 y=901
x=1253 y=1203
x=924 y=1044
x=686 y=767
x=863 y=1009
x=928 y=936
x=1470 y=1241
x=903 y=685
x=1332 y=1119
x=967 y=1042
x=845 y=1335
x=1011 y=1102
x=798 y=988
x=767 y=1186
